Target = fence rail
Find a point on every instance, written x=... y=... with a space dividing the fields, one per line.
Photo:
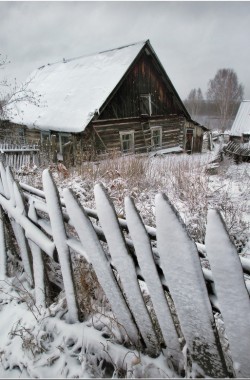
x=182 y=293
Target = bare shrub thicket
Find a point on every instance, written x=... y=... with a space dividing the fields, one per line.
x=183 y=178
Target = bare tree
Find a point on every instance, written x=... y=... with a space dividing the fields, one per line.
x=226 y=92
x=11 y=93
x=194 y=101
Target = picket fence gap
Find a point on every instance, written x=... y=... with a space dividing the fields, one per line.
x=171 y=272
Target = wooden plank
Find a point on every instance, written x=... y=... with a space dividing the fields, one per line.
x=31 y=230
x=39 y=274
x=124 y=264
x=25 y=253
x=97 y=257
x=231 y=290
x=182 y=269
x=3 y=253
x=147 y=265
x=4 y=180
x=10 y=182
x=60 y=239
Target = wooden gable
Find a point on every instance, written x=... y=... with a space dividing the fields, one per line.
x=144 y=90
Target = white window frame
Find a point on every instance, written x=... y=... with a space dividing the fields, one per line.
x=63 y=134
x=148 y=97
x=124 y=133
x=156 y=128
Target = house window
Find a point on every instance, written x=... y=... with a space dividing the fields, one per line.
x=45 y=137
x=64 y=140
x=145 y=104
x=21 y=135
x=127 y=141
x=156 y=137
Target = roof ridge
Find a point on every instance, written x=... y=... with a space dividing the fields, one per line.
x=92 y=54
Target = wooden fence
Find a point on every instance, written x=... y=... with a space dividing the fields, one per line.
x=18 y=156
x=184 y=295
x=239 y=151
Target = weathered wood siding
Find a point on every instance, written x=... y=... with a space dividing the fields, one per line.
x=107 y=134
x=123 y=112
x=143 y=78
x=18 y=134
x=197 y=137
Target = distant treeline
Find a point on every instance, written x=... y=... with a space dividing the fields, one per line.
x=208 y=108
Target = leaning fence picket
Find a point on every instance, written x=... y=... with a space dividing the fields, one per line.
x=4 y=180
x=3 y=253
x=38 y=270
x=231 y=290
x=147 y=265
x=39 y=274
x=19 y=232
x=182 y=269
x=10 y=182
x=60 y=239
x=104 y=273
x=123 y=262
x=176 y=255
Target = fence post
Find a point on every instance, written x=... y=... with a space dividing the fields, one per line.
x=3 y=253
x=16 y=199
x=105 y=275
x=147 y=265
x=38 y=269
x=60 y=239
x=231 y=290
x=125 y=266
x=182 y=269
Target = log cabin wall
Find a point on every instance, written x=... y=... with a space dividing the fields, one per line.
x=11 y=133
x=125 y=111
x=107 y=134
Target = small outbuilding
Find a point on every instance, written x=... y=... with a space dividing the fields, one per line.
x=240 y=131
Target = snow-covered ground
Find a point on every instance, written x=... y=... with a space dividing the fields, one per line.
x=36 y=343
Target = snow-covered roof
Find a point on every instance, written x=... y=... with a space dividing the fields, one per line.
x=242 y=121
x=73 y=90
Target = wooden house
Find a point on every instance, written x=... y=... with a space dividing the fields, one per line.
x=118 y=100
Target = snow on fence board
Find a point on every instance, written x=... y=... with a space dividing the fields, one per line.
x=232 y=291
x=175 y=320
x=145 y=258
x=103 y=270
x=125 y=265
x=182 y=269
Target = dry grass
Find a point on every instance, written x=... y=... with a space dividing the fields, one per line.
x=183 y=178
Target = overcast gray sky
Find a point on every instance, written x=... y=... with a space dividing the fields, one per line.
x=192 y=39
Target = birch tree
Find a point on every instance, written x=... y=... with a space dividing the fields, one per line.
x=226 y=92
